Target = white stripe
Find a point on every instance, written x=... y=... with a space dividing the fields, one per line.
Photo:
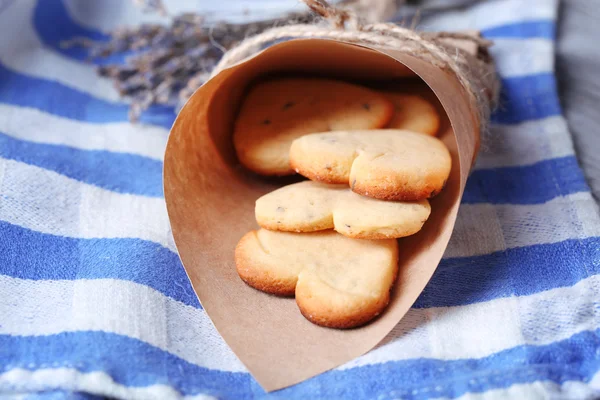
x=522 y=57
x=44 y=201
x=490 y=14
x=540 y=390
x=107 y=15
x=31 y=196
x=470 y=331
x=525 y=143
x=97 y=383
x=15 y=396
x=111 y=14
x=595 y=382
x=485 y=228
x=139 y=312
x=24 y=53
x=40 y=127
x=481 y=329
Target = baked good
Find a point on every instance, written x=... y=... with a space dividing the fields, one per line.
x=338 y=282
x=413 y=113
x=277 y=111
x=387 y=164
x=312 y=206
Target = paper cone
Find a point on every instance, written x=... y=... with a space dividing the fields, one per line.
x=210 y=200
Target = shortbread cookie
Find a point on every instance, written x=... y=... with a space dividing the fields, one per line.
x=276 y=112
x=312 y=206
x=385 y=164
x=413 y=113
x=338 y=282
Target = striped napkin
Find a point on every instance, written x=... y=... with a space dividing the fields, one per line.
x=94 y=300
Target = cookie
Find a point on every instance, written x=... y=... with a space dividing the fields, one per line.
x=312 y=206
x=385 y=164
x=276 y=112
x=413 y=113
x=338 y=282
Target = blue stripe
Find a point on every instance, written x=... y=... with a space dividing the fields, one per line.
x=119 y=172
x=53 y=17
x=532 y=184
x=572 y=359
x=129 y=361
x=52 y=97
x=29 y=254
x=514 y=272
x=33 y=255
x=522 y=99
x=54 y=25
x=527 y=98
x=541 y=29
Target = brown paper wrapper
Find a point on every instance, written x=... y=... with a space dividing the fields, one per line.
x=210 y=201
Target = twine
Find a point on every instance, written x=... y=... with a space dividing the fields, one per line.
x=473 y=72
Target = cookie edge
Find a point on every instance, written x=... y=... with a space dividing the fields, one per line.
x=259 y=280
x=349 y=320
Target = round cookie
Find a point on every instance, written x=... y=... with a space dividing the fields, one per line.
x=312 y=206
x=413 y=113
x=277 y=111
x=387 y=164
x=338 y=282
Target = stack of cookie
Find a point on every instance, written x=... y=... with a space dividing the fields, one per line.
x=373 y=161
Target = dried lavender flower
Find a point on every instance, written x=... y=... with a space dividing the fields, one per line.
x=170 y=62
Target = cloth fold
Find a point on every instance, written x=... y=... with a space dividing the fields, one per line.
x=94 y=300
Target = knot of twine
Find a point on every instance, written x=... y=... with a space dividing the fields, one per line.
x=473 y=72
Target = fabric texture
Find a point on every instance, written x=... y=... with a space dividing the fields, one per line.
x=94 y=300
x=577 y=67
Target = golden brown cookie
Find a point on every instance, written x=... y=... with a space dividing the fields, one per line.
x=277 y=111
x=385 y=164
x=338 y=282
x=312 y=206
x=413 y=113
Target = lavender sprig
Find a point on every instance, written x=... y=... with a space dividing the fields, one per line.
x=170 y=62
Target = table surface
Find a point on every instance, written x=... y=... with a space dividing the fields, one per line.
x=95 y=299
